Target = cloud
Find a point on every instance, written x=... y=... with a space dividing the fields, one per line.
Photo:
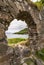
x=16 y=26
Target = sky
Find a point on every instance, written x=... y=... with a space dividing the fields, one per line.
x=35 y=0
x=16 y=26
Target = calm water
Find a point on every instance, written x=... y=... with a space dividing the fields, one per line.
x=9 y=35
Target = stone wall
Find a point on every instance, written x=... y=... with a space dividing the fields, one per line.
x=10 y=9
x=2 y=35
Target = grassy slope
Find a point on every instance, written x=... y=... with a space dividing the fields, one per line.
x=24 y=31
x=15 y=40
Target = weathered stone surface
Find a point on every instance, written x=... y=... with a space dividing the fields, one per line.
x=22 y=10
x=26 y=11
x=3 y=49
x=41 y=40
x=13 y=56
x=2 y=31
x=16 y=56
x=6 y=55
x=24 y=51
x=2 y=35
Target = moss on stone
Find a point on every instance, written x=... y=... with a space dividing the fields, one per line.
x=40 y=54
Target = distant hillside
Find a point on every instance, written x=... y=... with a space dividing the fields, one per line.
x=24 y=31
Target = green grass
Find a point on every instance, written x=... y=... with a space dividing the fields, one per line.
x=40 y=54
x=24 y=31
x=15 y=40
x=28 y=62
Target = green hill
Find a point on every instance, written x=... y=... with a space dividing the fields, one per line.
x=24 y=31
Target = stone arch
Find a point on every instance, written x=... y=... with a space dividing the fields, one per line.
x=19 y=9
x=32 y=26
x=29 y=11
